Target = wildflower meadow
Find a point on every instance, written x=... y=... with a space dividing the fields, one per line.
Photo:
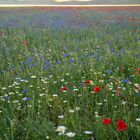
x=69 y=74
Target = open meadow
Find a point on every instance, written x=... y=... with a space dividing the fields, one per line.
x=70 y=73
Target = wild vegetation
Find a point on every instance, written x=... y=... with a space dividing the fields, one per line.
x=74 y=78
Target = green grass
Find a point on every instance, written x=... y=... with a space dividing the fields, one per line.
x=105 y=57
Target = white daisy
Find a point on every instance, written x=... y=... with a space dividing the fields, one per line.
x=33 y=76
x=71 y=111
x=61 y=130
x=60 y=116
x=70 y=134
x=138 y=119
x=88 y=132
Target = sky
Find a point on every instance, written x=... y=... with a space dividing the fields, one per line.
x=47 y=2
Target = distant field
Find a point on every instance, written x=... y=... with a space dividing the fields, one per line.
x=65 y=15
x=94 y=8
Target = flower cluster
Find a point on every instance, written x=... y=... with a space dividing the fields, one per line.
x=121 y=125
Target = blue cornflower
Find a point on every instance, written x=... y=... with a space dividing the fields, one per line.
x=47 y=65
x=77 y=49
x=58 y=62
x=126 y=81
x=109 y=71
x=112 y=50
x=66 y=55
x=18 y=80
x=32 y=65
x=71 y=60
x=26 y=99
x=29 y=60
x=25 y=90
x=49 y=76
x=6 y=98
x=100 y=58
x=23 y=67
x=27 y=79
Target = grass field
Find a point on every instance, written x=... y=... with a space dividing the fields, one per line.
x=69 y=74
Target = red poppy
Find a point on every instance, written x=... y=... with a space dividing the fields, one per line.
x=119 y=93
x=122 y=126
x=25 y=43
x=107 y=121
x=64 y=89
x=103 y=87
x=138 y=69
x=87 y=82
x=97 y=89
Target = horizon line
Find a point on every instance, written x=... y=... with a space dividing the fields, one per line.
x=45 y=5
